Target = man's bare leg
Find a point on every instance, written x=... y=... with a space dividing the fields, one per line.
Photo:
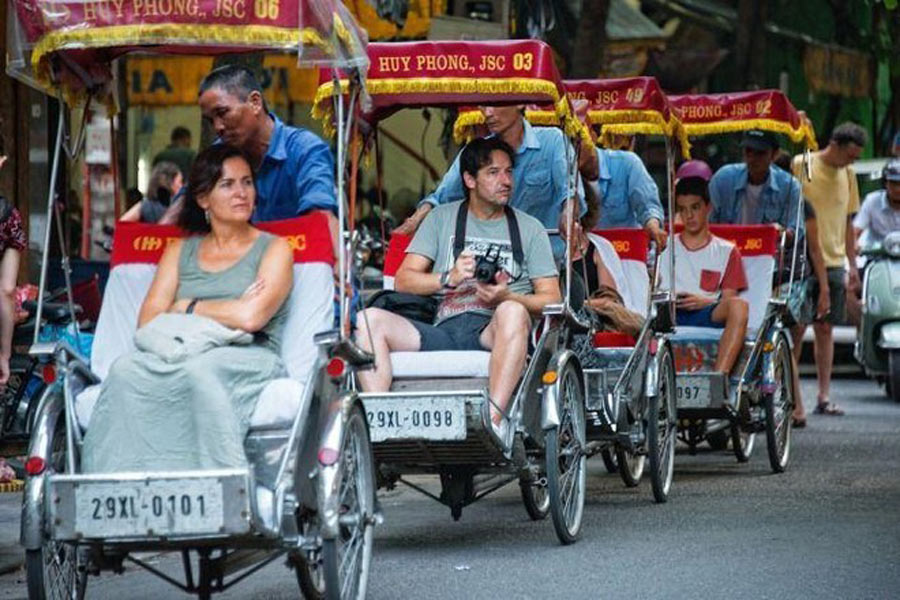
x=733 y=312
x=507 y=337
x=389 y=333
x=824 y=352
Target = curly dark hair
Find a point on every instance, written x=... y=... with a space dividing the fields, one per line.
x=206 y=171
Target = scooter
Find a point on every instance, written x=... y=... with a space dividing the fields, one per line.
x=878 y=340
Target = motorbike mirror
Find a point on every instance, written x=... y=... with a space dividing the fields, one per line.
x=891 y=244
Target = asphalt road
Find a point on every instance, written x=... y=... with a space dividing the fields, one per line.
x=827 y=528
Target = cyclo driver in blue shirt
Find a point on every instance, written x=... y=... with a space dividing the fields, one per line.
x=755 y=191
x=628 y=195
x=292 y=167
x=540 y=174
x=473 y=314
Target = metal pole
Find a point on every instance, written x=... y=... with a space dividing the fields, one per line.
x=67 y=273
x=339 y=111
x=670 y=185
x=51 y=199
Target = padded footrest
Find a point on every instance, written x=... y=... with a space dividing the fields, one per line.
x=441 y=364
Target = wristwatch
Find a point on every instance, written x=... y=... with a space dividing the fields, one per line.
x=445 y=280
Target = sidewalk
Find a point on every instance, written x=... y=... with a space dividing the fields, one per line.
x=12 y=556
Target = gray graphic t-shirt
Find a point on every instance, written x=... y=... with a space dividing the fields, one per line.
x=435 y=237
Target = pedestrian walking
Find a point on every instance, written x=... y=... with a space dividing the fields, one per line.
x=833 y=193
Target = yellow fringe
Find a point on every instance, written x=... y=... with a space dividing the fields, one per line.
x=322 y=110
x=166 y=34
x=804 y=133
x=16 y=485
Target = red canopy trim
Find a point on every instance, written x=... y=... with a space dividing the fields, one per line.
x=629 y=106
x=89 y=34
x=308 y=236
x=770 y=110
x=413 y=74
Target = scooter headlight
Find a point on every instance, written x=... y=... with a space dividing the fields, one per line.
x=891 y=244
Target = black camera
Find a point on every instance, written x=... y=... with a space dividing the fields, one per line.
x=487 y=266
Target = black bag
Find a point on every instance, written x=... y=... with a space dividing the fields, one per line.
x=411 y=306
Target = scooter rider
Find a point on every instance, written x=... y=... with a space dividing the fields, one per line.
x=880 y=212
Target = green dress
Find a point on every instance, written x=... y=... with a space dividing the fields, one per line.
x=157 y=416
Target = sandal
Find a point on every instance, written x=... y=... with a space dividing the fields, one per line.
x=798 y=423
x=829 y=408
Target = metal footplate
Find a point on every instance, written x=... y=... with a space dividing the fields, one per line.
x=150 y=506
x=700 y=392
x=429 y=428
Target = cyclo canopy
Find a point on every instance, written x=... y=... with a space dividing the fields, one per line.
x=455 y=74
x=67 y=46
x=627 y=106
x=769 y=110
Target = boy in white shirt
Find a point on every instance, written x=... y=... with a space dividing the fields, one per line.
x=709 y=273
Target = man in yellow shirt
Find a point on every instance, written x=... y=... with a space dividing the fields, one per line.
x=834 y=195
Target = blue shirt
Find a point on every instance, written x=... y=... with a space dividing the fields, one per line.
x=628 y=195
x=779 y=198
x=296 y=175
x=539 y=179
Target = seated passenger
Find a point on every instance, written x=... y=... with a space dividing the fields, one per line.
x=472 y=315
x=165 y=183
x=539 y=178
x=604 y=303
x=755 y=191
x=163 y=406
x=708 y=269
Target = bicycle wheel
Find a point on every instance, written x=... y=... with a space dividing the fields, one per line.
x=565 y=459
x=778 y=406
x=57 y=569
x=631 y=466
x=346 y=558
x=742 y=443
x=662 y=428
x=535 y=498
x=609 y=460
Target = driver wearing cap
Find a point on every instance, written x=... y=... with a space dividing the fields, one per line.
x=755 y=191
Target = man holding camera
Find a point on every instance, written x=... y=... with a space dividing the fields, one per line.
x=492 y=268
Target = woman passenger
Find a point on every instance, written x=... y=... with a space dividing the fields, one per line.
x=165 y=182
x=159 y=413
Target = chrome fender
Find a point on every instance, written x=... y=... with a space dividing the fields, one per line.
x=550 y=400
x=329 y=463
x=889 y=338
x=50 y=407
x=651 y=377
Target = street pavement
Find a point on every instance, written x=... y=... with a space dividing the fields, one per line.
x=827 y=528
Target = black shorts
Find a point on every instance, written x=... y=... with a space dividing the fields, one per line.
x=462 y=332
x=837 y=291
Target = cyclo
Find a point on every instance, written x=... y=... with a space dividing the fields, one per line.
x=435 y=419
x=762 y=399
x=629 y=381
x=309 y=491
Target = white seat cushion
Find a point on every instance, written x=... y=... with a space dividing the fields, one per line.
x=444 y=363
x=632 y=280
x=277 y=405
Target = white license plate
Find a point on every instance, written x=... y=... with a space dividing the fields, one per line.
x=154 y=508
x=441 y=418
x=692 y=392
